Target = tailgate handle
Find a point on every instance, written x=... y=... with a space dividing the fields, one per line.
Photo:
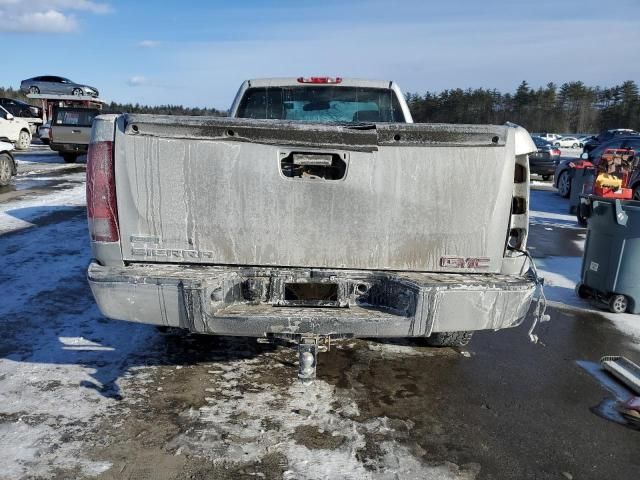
x=313 y=165
x=76 y=131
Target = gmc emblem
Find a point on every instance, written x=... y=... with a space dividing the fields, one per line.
x=461 y=262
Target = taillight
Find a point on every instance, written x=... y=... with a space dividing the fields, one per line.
x=556 y=151
x=319 y=79
x=102 y=210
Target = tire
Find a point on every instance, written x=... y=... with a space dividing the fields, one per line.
x=449 y=339
x=575 y=145
x=546 y=177
x=582 y=220
x=564 y=185
x=6 y=169
x=34 y=90
x=45 y=141
x=618 y=303
x=557 y=144
x=77 y=92
x=636 y=193
x=24 y=140
x=582 y=291
x=69 y=157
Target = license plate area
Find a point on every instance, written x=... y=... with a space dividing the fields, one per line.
x=311 y=294
x=295 y=291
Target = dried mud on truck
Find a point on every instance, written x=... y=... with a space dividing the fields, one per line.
x=317 y=211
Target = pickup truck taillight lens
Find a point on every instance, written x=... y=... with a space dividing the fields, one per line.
x=102 y=210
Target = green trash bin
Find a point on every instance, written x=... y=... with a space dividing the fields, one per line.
x=582 y=180
x=611 y=261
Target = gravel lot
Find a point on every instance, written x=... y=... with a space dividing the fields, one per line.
x=82 y=396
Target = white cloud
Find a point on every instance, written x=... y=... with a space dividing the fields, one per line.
x=50 y=21
x=148 y=43
x=45 y=16
x=137 y=81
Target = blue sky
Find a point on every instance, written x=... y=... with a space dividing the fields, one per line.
x=197 y=53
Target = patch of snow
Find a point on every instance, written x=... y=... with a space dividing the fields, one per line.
x=561 y=275
x=395 y=349
x=62 y=364
x=24 y=446
x=20 y=214
x=243 y=424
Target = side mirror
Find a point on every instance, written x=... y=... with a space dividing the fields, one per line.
x=584 y=156
x=9 y=116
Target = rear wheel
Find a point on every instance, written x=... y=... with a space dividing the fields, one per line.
x=449 y=339
x=582 y=220
x=6 y=169
x=575 y=145
x=557 y=144
x=24 y=140
x=618 y=303
x=34 y=90
x=564 y=185
x=582 y=291
x=69 y=157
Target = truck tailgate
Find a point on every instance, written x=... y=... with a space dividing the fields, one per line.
x=385 y=197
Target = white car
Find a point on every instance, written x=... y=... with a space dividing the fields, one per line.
x=567 y=142
x=14 y=130
x=7 y=163
x=550 y=137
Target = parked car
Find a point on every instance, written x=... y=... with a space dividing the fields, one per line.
x=23 y=111
x=584 y=139
x=18 y=108
x=550 y=137
x=49 y=84
x=44 y=133
x=562 y=179
x=545 y=159
x=607 y=135
x=14 y=130
x=71 y=130
x=567 y=142
x=7 y=164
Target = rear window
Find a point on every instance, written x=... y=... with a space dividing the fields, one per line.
x=75 y=117
x=321 y=104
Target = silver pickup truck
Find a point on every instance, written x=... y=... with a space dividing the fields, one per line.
x=317 y=210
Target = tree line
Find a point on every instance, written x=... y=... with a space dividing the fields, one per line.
x=572 y=107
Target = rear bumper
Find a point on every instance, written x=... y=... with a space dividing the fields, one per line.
x=543 y=168
x=251 y=302
x=79 y=148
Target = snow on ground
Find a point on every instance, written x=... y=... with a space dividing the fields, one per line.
x=61 y=365
x=561 y=275
x=234 y=426
x=22 y=213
